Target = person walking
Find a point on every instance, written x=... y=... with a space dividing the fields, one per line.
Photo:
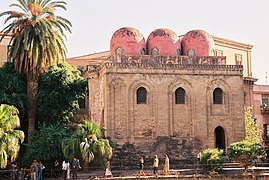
x=155 y=165
x=75 y=168
x=166 y=166
x=141 y=167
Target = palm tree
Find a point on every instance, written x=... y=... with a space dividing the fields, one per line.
x=89 y=140
x=9 y=137
x=37 y=42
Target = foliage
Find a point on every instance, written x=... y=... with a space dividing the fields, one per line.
x=10 y=138
x=46 y=143
x=89 y=141
x=244 y=152
x=211 y=159
x=13 y=88
x=59 y=91
x=253 y=133
x=36 y=42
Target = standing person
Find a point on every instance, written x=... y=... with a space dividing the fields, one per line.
x=75 y=167
x=155 y=165
x=57 y=168
x=36 y=168
x=199 y=155
x=141 y=167
x=64 y=169
x=41 y=167
x=166 y=165
x=68 y=170
x=108 y=172
x=32 y=171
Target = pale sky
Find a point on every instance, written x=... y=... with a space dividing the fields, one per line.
x=94 y=22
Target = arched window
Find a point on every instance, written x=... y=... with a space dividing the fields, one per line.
x=143 y=51
x=180 y=96
x=119 y=51
x=155 y=51
x=178 y=52
x=218 y=96
x=141 y=95
x=190 y=52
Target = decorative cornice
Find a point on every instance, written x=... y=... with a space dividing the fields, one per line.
x=232 y=44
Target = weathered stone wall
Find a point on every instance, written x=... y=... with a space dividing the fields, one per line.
x=160 y=126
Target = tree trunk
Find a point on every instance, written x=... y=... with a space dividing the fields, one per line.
x=32 y=89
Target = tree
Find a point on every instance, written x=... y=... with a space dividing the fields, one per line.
x=253 y=133
x=13 y=89
x=46 y=139
x=59 y=91
x=10 y=138
x=37 y=42
x=244 y=152
x=89 y=140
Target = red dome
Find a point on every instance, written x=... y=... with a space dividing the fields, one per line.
x=198 y=43
x=129 y=41
x=164 y=42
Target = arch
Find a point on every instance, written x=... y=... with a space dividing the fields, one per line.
x=155 y=51
x=220 y=138
x=178 y=51
x=190 y=52
x=141 y=95
x=119 y=51
x=143 y=51
x=218 y=96
x=180 y=95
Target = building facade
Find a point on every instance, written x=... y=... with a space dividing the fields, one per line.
x=168 y=95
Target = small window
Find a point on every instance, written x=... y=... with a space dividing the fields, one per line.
x=141 y=95
x=143 y=51
x=119 y=51
x=218 y=52
x=238 y=59
x=178 y=52
x=218 y=96
x=180 y=96
x=155 y=51
x=265 y=101
x=190 y=52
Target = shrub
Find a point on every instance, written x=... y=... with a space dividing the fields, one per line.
x=244 y=152
x=211 y=160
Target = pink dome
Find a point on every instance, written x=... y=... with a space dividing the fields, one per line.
x=198 y=43
x=163 y=42
x=129 y=41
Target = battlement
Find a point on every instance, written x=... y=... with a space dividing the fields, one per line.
x=150 y=59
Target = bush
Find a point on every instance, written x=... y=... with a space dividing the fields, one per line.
x=244 y=152
x=211 y=160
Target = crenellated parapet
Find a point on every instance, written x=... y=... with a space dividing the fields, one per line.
x=149 y=59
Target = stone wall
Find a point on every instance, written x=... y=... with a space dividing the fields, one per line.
x=145 y=128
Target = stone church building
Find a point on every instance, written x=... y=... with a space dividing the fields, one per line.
x=168 y=94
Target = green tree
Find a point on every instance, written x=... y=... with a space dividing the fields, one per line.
x=10 y=138
x=244 y=152
x=13 y=90
x=211 y=160
x=253 y=132
x=37 y=42
x=46 y=143
x=59 y=92
x=89 y=140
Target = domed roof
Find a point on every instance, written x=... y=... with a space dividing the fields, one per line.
x=164 y=42
x=199 y=42
x=130 y=40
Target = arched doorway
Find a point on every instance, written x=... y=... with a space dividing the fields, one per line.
x=220 y=138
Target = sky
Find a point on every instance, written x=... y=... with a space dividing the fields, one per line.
x=94 y=23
